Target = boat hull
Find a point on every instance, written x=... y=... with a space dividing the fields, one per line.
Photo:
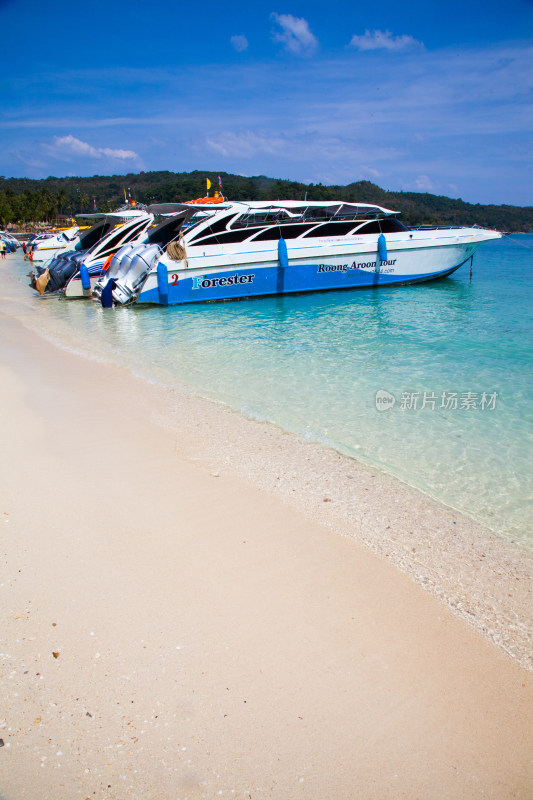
x=203 y=281
x=74 y=287
x=47 y=253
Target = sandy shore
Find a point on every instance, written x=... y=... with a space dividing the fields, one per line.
x=182 y=619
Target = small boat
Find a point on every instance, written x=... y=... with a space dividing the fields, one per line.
x=11 y=243
x=48 y=245
x=235 y=249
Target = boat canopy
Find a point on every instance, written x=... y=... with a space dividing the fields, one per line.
x=95 y=233
x=170 y=227
x=269 y=212
x=160 y=209
x=328 y=207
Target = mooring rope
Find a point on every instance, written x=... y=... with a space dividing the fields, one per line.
x=517 y=242
x=176 y=250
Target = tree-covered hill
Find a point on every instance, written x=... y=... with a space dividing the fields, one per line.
x=24 y=200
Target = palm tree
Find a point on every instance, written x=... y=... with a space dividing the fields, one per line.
x=62 y=199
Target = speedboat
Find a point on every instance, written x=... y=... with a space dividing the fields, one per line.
x=48 y=245
x=12 y=244
x=76 y=271
x=152 y=243
x=246 y=249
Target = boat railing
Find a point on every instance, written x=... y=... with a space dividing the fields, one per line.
x=436 y=227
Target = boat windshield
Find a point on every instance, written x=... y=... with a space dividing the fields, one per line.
x=199 y=216
x=167 y=230
x=94 y=234
x=264 y=216
x=307 y=213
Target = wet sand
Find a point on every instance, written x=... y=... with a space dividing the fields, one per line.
x=183 y=619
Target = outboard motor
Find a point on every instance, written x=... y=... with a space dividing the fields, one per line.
x=120 y=264
x=63 y=272
x=56 y=263
x=60 y=260
x=125 y=262
x=127 y=285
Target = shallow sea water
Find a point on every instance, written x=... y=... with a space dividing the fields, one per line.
x=454 y=355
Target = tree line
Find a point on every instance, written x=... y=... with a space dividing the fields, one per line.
x=23 y=200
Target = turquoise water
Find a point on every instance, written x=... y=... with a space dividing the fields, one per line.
x=313 y=364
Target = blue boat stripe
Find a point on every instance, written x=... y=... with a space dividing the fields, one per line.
x=238 y=283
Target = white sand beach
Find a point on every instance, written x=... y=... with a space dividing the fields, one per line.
x=215 y=609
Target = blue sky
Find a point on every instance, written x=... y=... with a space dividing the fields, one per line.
x=416 y=96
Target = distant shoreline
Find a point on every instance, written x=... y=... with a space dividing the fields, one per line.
x=416 y=208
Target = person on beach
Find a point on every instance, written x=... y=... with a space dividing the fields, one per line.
x=3 y=248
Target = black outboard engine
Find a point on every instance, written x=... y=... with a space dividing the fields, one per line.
x=62 y=269
x=71 y=267
x=59 y=260
x=55 y=264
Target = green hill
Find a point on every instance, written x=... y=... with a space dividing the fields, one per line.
x=23 y=200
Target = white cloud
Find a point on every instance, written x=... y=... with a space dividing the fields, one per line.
x=296 y=147
x=245 y=144
x=374 y=173
x=239 y=43
x=384 y=40
x=424 y=184
x=123 y=154
x=29 y=160
x=66 y=146
x=295 y=35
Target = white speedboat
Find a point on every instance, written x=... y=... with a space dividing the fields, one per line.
x=76 y=271
x=11 y=243
x=132 y=227
x=151 y=243
x=48 y=245
x=237 y=250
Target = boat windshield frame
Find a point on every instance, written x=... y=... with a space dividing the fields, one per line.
x=278 y=214
x=258 y=216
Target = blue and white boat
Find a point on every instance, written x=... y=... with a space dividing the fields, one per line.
x=11 y=243
x=235 y=250
x=75 y=271
x=87 y=266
